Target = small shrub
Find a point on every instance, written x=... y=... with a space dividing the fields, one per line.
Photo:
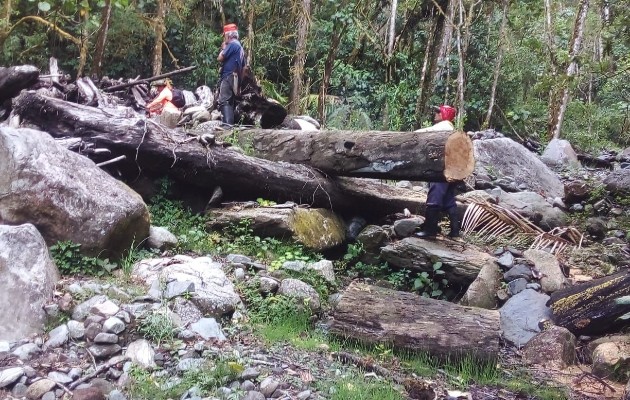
x=431 y=284
x=68 y=258
x=157 y=326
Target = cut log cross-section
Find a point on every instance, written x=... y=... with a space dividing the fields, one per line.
x=431 y=156
x=373 y=314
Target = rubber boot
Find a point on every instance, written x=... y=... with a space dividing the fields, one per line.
x=453 y=217
x=228 y=114
x=430 y=227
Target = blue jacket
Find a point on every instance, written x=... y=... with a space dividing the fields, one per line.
x=233 y=58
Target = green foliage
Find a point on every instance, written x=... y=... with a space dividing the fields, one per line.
x=157 y=325
x=431 y=284
x=68 y=258
x=357 y=387
x=265 y=203
x=272 y=310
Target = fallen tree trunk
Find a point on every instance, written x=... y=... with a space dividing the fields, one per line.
x=461 y=263
x=14 y=79
x=431 y=156
x=150 y=147
x=373 y=314
x=594 y=307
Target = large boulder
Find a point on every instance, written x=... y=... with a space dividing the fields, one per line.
x=28 y=280
x=559 y=153
x=504 y=157
x=66 y=196
x=618 y=182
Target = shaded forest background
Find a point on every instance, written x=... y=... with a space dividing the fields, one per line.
x=531 y=69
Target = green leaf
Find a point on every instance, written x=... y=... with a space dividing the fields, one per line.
x=623 y=300
x=43 y=6
x=625 y=316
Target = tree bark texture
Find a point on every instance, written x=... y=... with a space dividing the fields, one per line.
x=159 y=29
x=154 y=149
x=14 y=79
x=497 y=64
x=594 y=307
x=101 y=40
x=373 y=314
x=430 y=156
x=304 y=23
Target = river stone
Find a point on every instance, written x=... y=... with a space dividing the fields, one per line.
x=300 y=291
x=10 y=375
x=141 y=353
x=521 y=314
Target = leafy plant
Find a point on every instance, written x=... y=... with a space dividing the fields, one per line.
x=68 y=258
x=430 y=284
x=265 y=203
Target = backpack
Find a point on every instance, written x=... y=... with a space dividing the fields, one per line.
x=179 y=100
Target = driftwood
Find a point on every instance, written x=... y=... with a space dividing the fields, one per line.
x=14 y=79
x=151 y=148
x=432 y=156
x=372 y=314
x=148 y=80
x=594 y=307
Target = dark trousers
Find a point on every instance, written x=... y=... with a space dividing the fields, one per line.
x=226 y=91
x=442 y=195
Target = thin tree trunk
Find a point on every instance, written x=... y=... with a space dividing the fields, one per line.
x=445 y=50
x=304 y=23
x=97 y=62
x=85 y=43
x=5 y=21
x=460 y=71
x=497 y=65
x=328 y=68
x=420 y=100
x=392 y=29
x=249 y=43
x=159 y=37
x=574 y=48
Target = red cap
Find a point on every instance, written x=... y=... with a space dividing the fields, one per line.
x=229 y=28
x=447 y=112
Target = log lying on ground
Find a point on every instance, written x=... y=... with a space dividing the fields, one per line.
x=431 y=157
x=14 y=79
x=595 y=307
x=461 y=262
x=150 y=147
x=372 y=314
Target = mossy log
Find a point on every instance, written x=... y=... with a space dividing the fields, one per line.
x=153 y=149
x=430 y=156
x=594 y=307
x=14 y=79
x=375 y=315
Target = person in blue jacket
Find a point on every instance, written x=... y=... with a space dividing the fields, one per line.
x=232 y=58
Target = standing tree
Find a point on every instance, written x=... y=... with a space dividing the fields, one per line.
x=303 y=8
x=497 y=64
x=101 y=39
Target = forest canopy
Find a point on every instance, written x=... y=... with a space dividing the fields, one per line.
x=529 y=69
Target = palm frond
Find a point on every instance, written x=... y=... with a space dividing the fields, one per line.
x=492 y=222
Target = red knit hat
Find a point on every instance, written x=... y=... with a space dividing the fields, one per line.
x=447 y=112
x=229 y=28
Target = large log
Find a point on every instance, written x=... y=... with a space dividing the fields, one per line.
x=461 y=262
x=150 y=147
x=594 y=307
x=431 y=156
x=372 y=314
x=14 y=79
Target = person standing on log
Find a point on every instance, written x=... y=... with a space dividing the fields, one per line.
x=232 y=58
x=164 y=100
x=441 y=195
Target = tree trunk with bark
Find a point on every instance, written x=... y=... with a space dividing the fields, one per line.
x=101 y=40
x=575 y=46
x=497 y=65
x=158 y=28
x=304 y=23
x=593 y=308
x=430 y=156
x=376 y=315
x=153 y=149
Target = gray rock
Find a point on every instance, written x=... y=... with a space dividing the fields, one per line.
x=106 y=338
x=325 y=268
x=187 y=311
x=37 y=389
x=82 y=310
x=141 y=353
x=161 y=238
x=5 y=346
x=304 y=395
x=116 y=395
x=559 y=153
x=618 y=182
x=250 y=373
x=297 y=266
x=238 y=258
x=406 y=227
x=19 y=390
x=10 y=375
x=248 y=385
x=27 y=351
x=552 y=348
x=113 y=325
x=547 y=264
x=506 y=260
x=104 y=350
x=521 y=314
x=178 y=288
x=516 y=286
x=268 y=386
x=105 y=309
x=189 y=364
x=254 y=395
x=75 y=373
x=239 y=274
x=482 y=291
x=518 y=271
x=49 y=396
x=76 y=329
x=57 y=337
x=208 y=328
x=300 y=291
x=59 y=377
x=268 y=285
